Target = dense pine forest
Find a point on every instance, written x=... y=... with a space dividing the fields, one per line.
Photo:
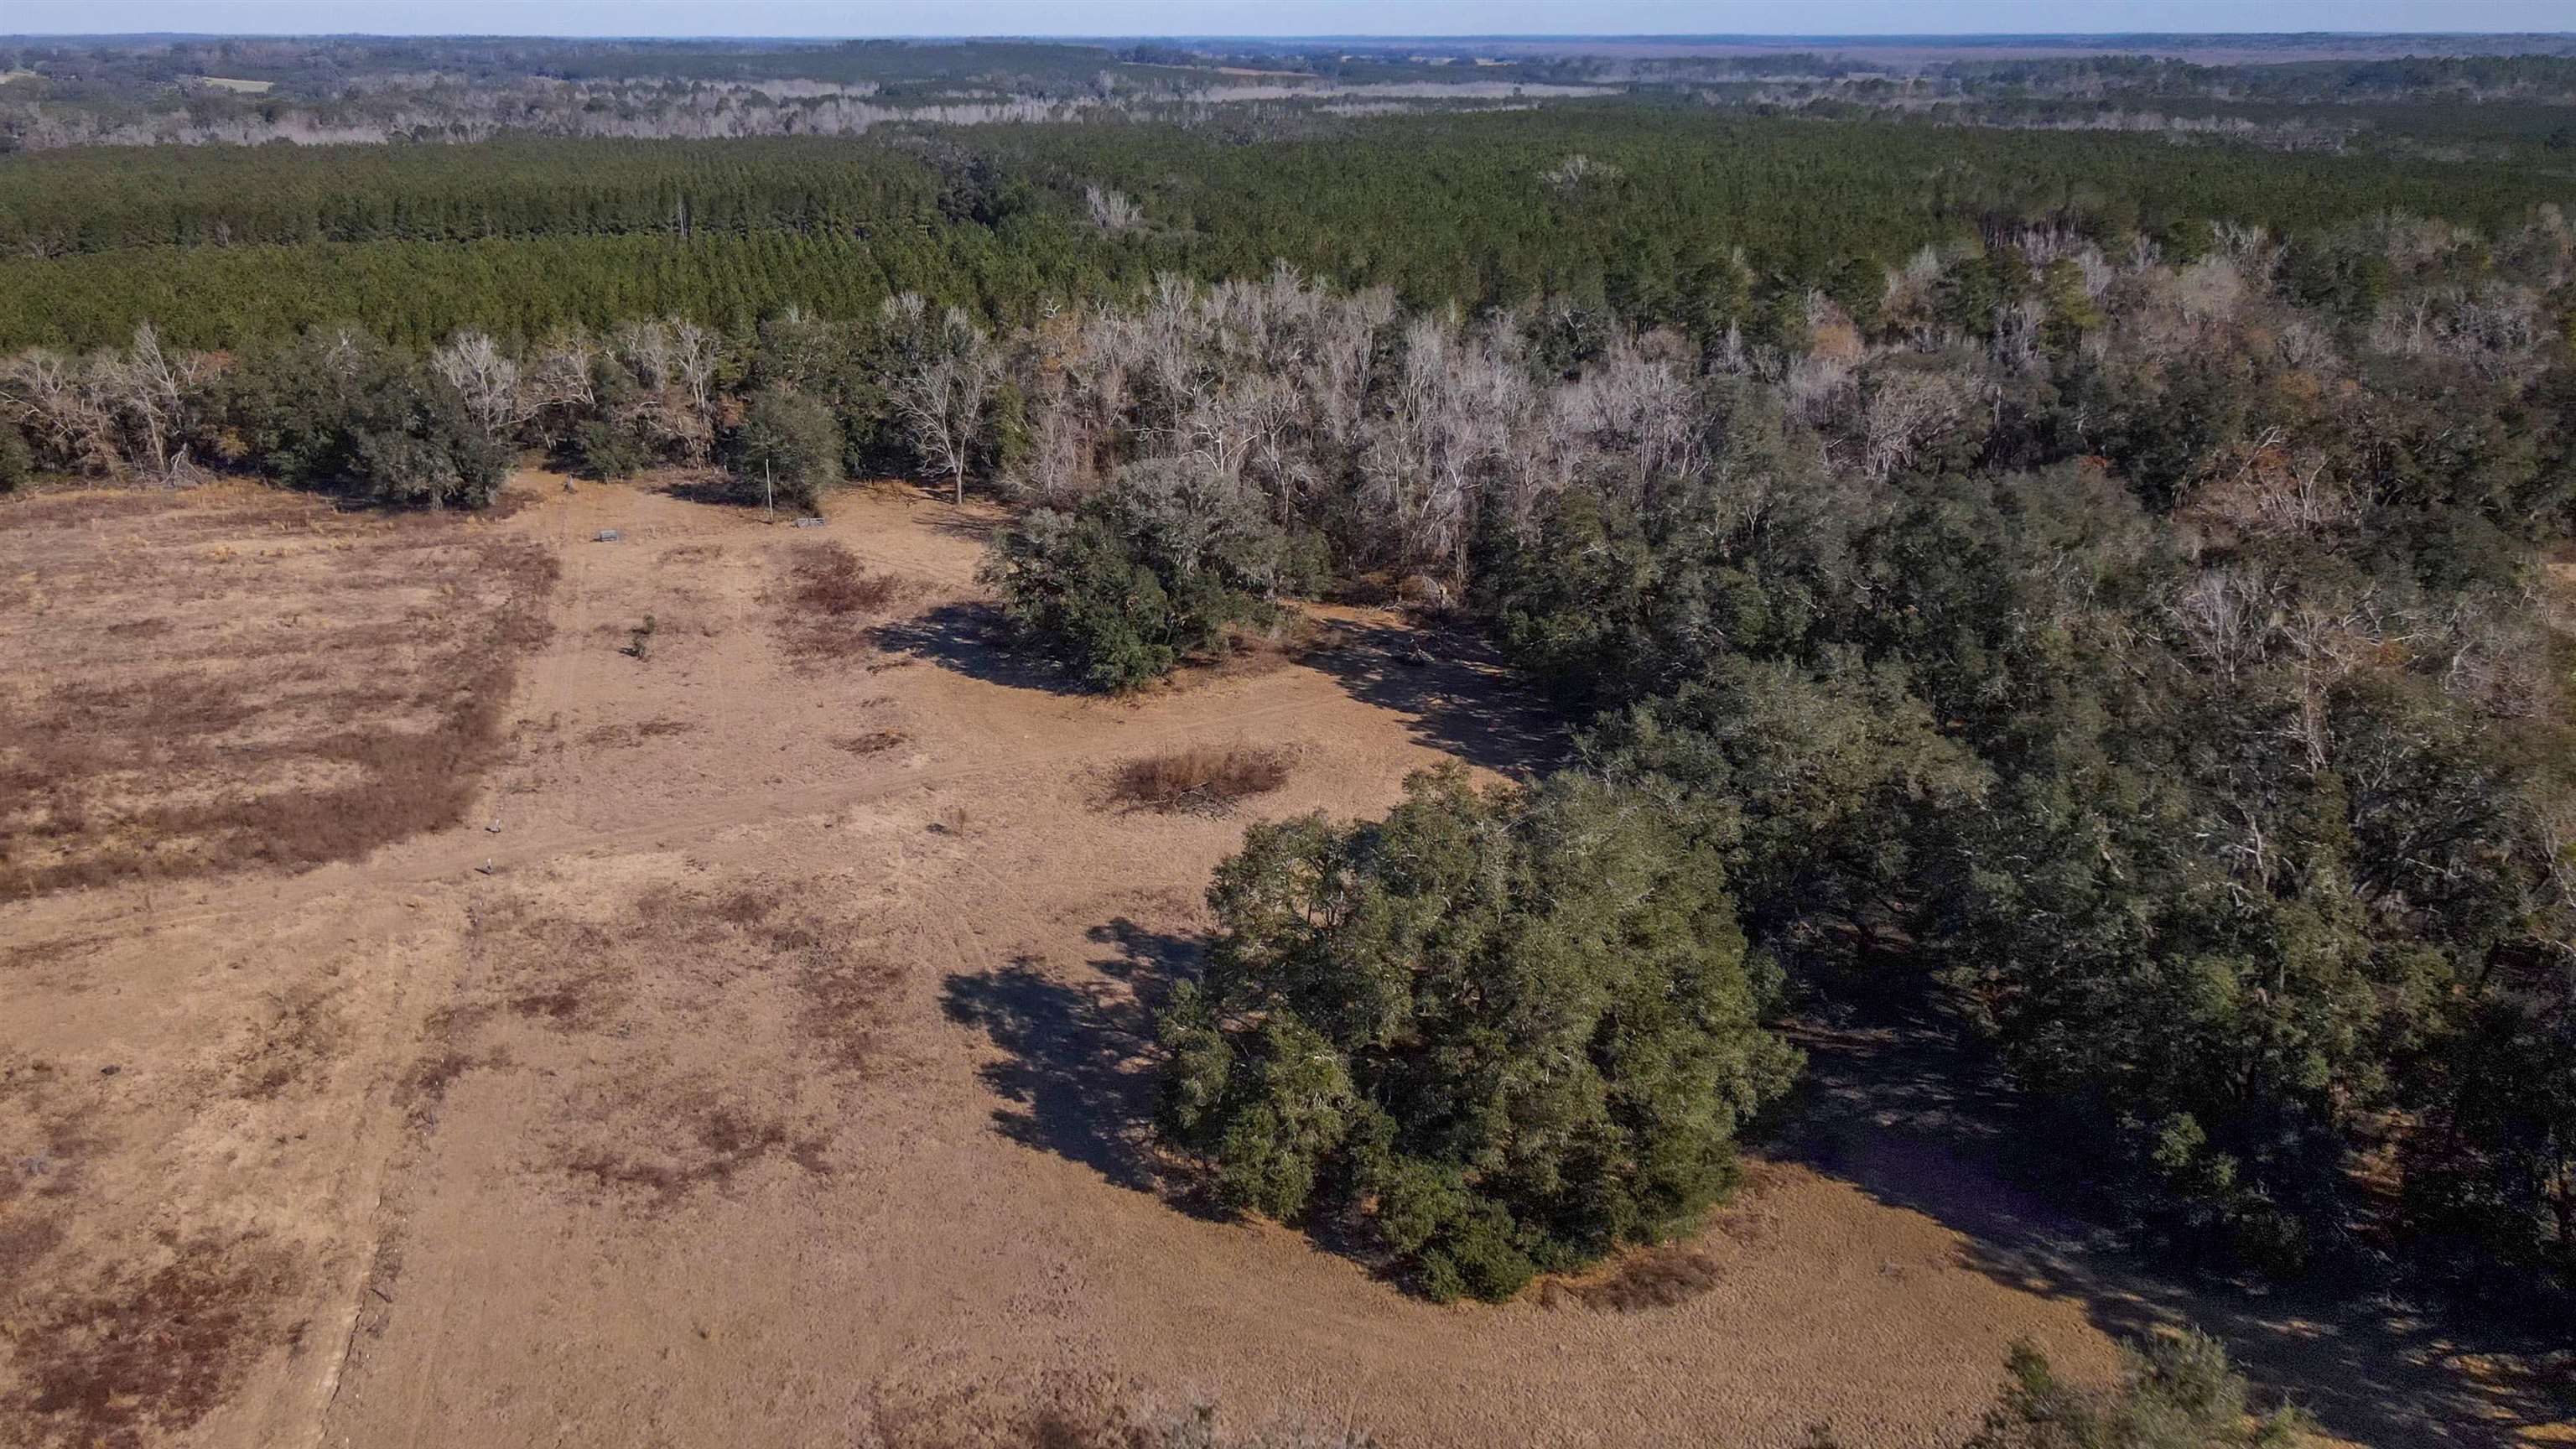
x=1660 y=215
x=2108 y=592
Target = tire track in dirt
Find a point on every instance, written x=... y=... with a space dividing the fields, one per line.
x=374 y=1172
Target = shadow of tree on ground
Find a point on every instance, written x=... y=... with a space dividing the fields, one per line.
x=954 y=523
x=1078 y=1080
x=1900 y=1108
x=1455 y=696
x=973 y=639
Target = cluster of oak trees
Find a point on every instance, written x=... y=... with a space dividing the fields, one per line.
x=2148 y=645
x=2153 y=651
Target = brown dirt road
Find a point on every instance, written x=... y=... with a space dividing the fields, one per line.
x=767 y=1050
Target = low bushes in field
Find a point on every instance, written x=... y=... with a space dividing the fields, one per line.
x=832 y=603
x=1199 y=777
x=2177 y=1391
x=1657 y=1278
x=831 y=580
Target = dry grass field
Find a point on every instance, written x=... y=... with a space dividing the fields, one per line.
x=463 y=983
x=241 y=677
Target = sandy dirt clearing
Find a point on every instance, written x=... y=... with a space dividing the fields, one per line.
x=766 y=1048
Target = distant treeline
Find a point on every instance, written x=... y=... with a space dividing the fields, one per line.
x=1644 y=210
x=134 y=68
x=2384 y=78
x=59 y=202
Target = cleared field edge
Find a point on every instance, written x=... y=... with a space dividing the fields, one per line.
x=237 y=677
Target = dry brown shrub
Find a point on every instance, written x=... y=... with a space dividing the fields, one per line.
x=831 y=580
x=875 y=742
x=1206 y=778
x=831 y=603
x=1655 y=1278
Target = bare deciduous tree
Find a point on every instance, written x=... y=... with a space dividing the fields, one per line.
x=1112 y=211
x=942 y=385
x=148 y=390
x=487 y=379
x=2224 y=615
x=561 y=381
x=49 y=395
x=674 y=364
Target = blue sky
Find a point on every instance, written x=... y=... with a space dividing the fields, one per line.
x=1253 y=17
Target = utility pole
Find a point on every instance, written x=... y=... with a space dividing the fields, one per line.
x=768 y=490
